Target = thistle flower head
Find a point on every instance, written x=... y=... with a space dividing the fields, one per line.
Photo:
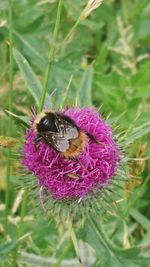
x=65 y=178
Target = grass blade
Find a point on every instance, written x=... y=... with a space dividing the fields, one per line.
x=84 y=97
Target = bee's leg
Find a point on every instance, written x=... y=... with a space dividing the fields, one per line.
x=81 y=164
x=93 y=138
x=34 y=111
x=37 y=139
x=75 y=177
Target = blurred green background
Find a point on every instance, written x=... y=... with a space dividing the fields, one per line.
x=105 y=63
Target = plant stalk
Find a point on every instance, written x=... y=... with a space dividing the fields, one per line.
x=74 y=240
x=50 y=56
x=10 y=101
x=20 y=226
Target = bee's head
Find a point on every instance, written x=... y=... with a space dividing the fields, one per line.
x=45 y=122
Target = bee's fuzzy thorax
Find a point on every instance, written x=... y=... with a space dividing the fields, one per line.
x=38 y=119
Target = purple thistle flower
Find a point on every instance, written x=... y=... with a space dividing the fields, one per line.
x=67 y=178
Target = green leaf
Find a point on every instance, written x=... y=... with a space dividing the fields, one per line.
x=101 y=58
x=31 y=51
x=24 y=119
x=137 y=133
x=140 y=218
x=84 y=96
x=33 y=84
x=115 y=119
x=144 y=30
x=110 y=255
x=6 y=248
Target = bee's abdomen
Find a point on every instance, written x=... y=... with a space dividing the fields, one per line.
x=76 y=146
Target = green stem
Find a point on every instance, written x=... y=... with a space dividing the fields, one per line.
x=124 y=11
x=23 y=210
x=74 y=240
x=80 y=18
x=72 y=30
x=10 y=67
x=50 y=56
x=20 y=227
x=63 y=255
x=10 y=101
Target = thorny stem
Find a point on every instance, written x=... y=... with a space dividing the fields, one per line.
x=10 y=99
x=50 y=56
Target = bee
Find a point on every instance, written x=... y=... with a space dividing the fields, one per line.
x=61 y=133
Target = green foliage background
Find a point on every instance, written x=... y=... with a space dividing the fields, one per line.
x=104 y=63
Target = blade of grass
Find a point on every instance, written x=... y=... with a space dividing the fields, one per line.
x=63 y=255
x=50 y=56
x=136 y=133
x=6 y=248
x=140 y=218
x=23 y=210
x=83 y=15
x=20 y=227
x=24 y=119
x=10 y=100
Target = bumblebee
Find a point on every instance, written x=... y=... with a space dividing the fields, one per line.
x=61 y=133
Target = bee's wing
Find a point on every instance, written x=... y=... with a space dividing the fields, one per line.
x=57 y=142
x=62 y=138
x=66 y=129
x=62 y=144
x=71 y=133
